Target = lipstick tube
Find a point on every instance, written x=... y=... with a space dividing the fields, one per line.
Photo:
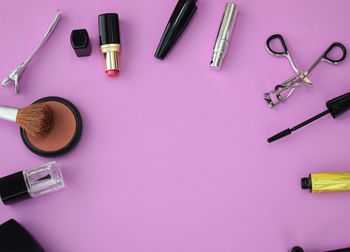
x=31 y=183
x=108 y=25
x=224 y=35
x=327 y=182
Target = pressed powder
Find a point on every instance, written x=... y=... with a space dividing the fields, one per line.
x=62 y=131
x=65 y=132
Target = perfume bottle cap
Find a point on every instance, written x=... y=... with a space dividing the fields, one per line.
x=13 y=188
x=80 y=42
x=15 y=238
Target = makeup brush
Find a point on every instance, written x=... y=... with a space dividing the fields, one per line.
x=35 y=119
x=335 y=107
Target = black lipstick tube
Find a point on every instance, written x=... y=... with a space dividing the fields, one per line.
x=108 y=25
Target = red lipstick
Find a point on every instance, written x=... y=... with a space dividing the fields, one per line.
x=108 y=25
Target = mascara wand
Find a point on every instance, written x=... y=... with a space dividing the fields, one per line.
x=335 y=107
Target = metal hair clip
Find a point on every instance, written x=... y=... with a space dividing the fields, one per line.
x=15 y=75
x=284 y=90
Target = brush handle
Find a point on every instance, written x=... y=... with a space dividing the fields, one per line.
x=8 y=113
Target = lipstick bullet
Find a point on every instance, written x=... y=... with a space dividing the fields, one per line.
x=108 y=25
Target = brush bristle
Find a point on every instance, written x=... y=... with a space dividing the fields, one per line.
x=35 y=119
x=282 y=134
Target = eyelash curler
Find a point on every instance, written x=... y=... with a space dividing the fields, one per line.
x=284 y=90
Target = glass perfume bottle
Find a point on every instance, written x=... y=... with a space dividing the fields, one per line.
x=31 y=183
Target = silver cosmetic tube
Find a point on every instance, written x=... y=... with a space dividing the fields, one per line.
x=8 y=113
x=224 y=35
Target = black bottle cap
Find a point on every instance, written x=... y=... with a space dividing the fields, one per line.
x=339 y=105
x=13 y=188
x=80 y=42
x=297 y=249
x=178 y=21
x=306 y=183
x=15 y=238
x=108 y=26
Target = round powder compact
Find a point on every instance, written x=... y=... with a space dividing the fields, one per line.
x=65 y=133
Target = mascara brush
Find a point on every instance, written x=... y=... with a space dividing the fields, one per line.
x=299 y=249
x=335 y=107
x=35 y=119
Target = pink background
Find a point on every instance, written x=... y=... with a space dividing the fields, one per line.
x=173 y=155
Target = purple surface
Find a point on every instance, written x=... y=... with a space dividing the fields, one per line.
x=174 y=155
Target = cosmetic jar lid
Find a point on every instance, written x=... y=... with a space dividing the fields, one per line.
x=297 y=249
x=15 y=238
x=13 y=188
x=80 y=42
x=70 y=143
